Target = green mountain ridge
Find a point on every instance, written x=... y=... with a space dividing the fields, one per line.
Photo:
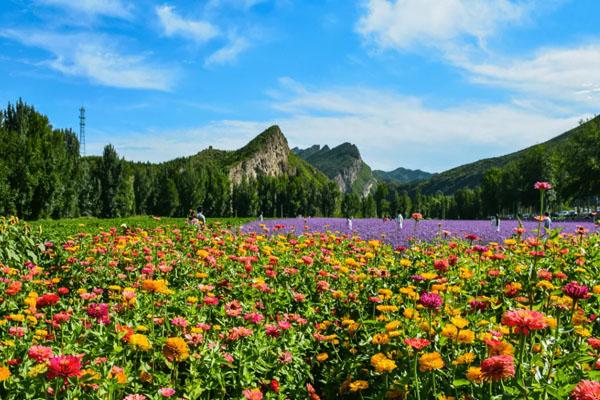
x=342 y=164
x=470 y=175
x=402 y=175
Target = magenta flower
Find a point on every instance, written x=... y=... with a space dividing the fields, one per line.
x=576 y=290
x=431 y=300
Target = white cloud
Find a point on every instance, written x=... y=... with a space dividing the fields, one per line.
x=110 y=8
x=195 y=30
x=390 y=130
x=169 y=144
x=565 y=75
x=243 y=4
x=228 y=53
x=393 y=130
x=96 y=57
x=403 y=24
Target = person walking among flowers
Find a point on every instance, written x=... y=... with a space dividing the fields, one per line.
x=400 y=220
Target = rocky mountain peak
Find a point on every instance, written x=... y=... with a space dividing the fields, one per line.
x=266 y=155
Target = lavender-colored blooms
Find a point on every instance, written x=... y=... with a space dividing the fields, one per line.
x=424 y=230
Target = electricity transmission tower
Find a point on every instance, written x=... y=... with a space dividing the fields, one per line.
x=82 y=130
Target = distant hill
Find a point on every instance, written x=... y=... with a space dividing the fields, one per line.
x=402 y=175
x=343 y=164
x=470 y=175
x=267 y=154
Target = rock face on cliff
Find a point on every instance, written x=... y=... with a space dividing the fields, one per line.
x=343 y=165
x=265 y=155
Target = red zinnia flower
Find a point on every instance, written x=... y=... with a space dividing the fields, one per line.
x=48 y=299
x=498 y=367
x=63 y=367
x=586 y=390
x=441 y=265
x=274 y=385
x=524 y=320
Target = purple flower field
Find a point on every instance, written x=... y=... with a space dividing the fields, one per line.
x=426 y=230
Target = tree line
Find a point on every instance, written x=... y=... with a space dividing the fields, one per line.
x=42 y=175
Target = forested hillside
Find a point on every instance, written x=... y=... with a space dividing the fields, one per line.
x=42 y=175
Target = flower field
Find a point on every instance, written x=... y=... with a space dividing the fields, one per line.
x=270 y=312
x=423 y=230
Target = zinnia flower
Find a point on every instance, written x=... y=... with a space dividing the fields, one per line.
x=542 y=186
x=63 y=367
x=166 y=392
x=417 y=343
x=48 y=299
x=176 y=349
x=524 y=320
x=4 y=374
x=498 y=367
x=40 y=353
x=430 y=300
x=357 y=386
x=430 y=362
x=99 y=311
x=586 y=390
x=140 y=342
x=576 y=291
x=252 y=394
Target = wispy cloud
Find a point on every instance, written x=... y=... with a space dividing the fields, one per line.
x=242 y=4
x=174 y=25
x=564 y=75
x=390 y=129
x=97 y=58
x=394 y=130
x=169 y=144
x=406 y=24
x=229 y=52
x=109 y=8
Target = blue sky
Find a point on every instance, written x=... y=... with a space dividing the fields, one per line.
x=427 y=84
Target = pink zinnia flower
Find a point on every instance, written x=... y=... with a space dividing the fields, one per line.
x=166 y=392
x=498 y=367
x=542 y=186
x=586 y=390
x=135 y=397
x=524 y=320
x=40 y=353
x=285 y=357
x=252 y=394
x=63 y=367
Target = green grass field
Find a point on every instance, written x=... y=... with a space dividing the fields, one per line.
x=51 y=228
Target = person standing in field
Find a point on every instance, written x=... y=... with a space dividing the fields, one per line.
x=547 y=222
x=200 y=216
x=349 y=223
x=496 y=222
x=400 y=220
